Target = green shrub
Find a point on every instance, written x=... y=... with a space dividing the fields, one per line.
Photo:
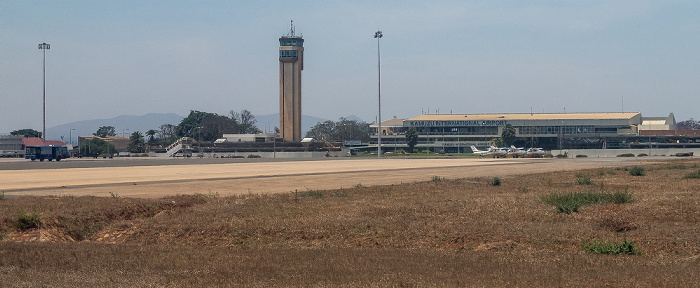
x=675 y=167
x=254 y=156
x=611 y=172
x=642 y=155
x=637 y=171
x=609 y=247
x=496 y=181
x=626 y=155
x=692 y=175
x=583 y=180
x=562 y=155
x=571 y=202
x=26 y=221
x=581 y=156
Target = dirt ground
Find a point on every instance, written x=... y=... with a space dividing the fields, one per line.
x=264 y=177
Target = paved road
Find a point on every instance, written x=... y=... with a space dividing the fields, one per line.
x=161 y=177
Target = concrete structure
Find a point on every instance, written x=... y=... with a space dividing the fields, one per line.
x=455 y=133
x=291 y=56
x=235 y=138
x=11 y=146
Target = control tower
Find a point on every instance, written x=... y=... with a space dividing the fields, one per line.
x=291 y=64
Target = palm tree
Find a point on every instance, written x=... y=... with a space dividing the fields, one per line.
x=508 y=134
x=151 y=135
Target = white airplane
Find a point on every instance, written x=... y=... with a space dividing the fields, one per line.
x=535 y=152
x=516 y=152
x=498 y=152
x=479 y=152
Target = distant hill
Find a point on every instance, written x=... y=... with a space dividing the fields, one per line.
x=143 y=123
x=120 y=123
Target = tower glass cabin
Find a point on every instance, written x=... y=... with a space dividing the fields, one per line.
x=291 y=56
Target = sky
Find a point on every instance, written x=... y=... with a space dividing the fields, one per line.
x=111 y=58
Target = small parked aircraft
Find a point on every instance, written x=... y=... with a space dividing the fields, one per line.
x=516 y=152
x=493 y=151
x=479 y=152
x=535 y=152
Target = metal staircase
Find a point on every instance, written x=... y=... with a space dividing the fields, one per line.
x=183 y=145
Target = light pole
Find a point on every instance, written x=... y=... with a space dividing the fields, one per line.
x=379 y=35
x=70 y=136
x=44 y=47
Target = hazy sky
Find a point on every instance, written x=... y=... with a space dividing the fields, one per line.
x=111 y=58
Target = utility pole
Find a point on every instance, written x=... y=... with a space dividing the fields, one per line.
x=378 y=35
x=44 y=47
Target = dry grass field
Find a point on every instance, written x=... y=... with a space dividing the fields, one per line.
x=465 y=232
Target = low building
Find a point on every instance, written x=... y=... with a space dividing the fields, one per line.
x=237 y=138
x=11 y=146
x=455 y=133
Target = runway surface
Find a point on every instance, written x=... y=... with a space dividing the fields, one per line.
x=163 y=177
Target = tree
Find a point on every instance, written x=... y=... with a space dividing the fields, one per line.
x=167 y=131
x=137 y=144
x=213 y=126
x=26 y=133
x=411 y=138
x=322 y=131
x=498 y=142
x=508 y=135
x=151 y=135
x=95 y=147
x=340 y=131
x=688 y=125
x=189 y=127
x=245 y=122
x=105 y=131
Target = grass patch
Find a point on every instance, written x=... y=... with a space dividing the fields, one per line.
x=571 y=202
x=610 y=247
x=582 y=179
x=692 y=175
x=208 y=196
x=637 y=171
x=496 y=181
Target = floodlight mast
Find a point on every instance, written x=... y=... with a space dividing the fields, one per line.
x=378 y=35
x=44 y=47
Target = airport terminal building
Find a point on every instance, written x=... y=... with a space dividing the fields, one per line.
x=455 y=133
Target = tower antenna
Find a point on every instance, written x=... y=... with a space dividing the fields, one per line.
x=291 y=29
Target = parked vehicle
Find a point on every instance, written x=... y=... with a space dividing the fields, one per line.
x=48 y=152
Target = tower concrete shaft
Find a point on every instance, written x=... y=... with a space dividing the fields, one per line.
x=291 y=63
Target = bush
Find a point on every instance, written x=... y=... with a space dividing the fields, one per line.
x=26 y=221
x=581 y=156
x=608 y=247
x=626 y=155
x=496 y=181
x=562 y=155
x=692 y=175
x=567 y=203
x=642 y=155
x=637 y=171
x=254 y=156
x=583 y=180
